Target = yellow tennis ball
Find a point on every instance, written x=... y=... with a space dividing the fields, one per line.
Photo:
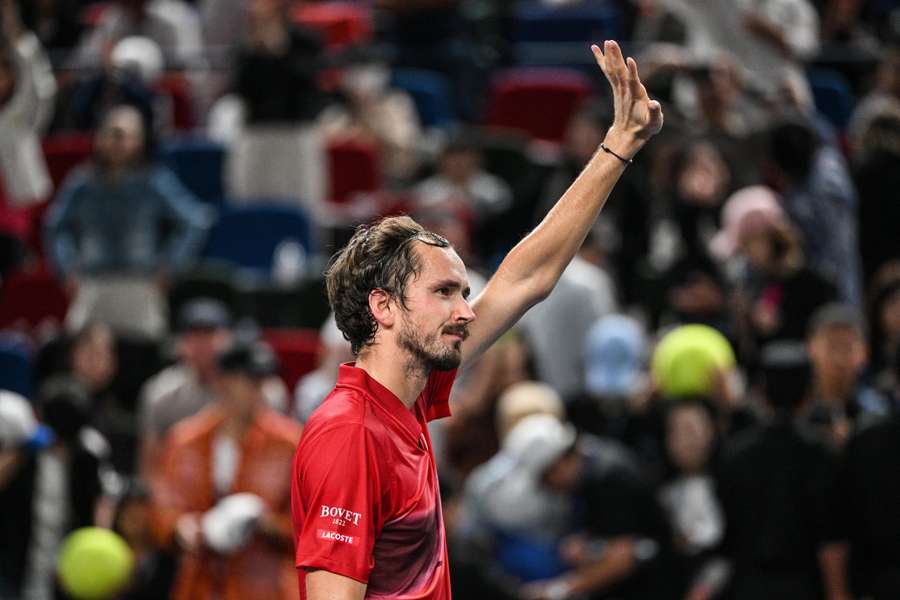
x=687 y=359
x=94 y=564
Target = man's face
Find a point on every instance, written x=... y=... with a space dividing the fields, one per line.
x=435 y=322
x=198 y=348
x=838 y=353
x=240 y=394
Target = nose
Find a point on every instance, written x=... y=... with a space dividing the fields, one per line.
x=464 y=312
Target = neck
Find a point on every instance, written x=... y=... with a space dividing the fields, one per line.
x=406 y=383
x=237 y=423
x=833 y=390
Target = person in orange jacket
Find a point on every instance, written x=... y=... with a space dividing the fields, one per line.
x=221 y=494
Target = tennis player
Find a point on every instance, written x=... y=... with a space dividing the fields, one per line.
x=366 y=505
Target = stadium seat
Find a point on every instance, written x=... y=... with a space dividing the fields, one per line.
x=63 y=151
x=15 y=365
x=539 y=102
x=300 y=306
x=558 y=35
x=832 y=95
x=340 y=23
x=297 y=350
x=211 y=279
x=431 y=93
x=249 y=236
x=176 y=88
x=29 y=299
x=353 y=166
x=198 y=163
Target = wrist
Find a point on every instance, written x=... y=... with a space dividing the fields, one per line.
x=622 y=143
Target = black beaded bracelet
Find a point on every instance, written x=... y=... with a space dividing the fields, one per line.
x=627 y=161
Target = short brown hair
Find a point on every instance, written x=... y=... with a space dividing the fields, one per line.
x=378 y=256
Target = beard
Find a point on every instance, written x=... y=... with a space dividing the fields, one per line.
x=427 y=351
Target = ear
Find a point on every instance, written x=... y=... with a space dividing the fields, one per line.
x=381 y=304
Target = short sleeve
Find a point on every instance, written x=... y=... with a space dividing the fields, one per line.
x=437 y=399
x=336 y=502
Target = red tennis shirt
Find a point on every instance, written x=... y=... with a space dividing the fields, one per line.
x=365 y=498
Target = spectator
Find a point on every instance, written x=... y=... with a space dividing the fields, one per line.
x=129 y=77
x=154 y=570
x=93 y=367
x=461 y=182
x=615 y=377
x=777 y=485
x=556 y=327
x=689 y=495
x=877 y=175
x=819 y=197
x=882 y=101
x=56 y=23
x=375 y=112
x=884 y=320
x=313 y=387
x=27 y=92
x=279 y=153
x=870 y=488
x=509 y=523
x=52 y=487
x=172 y=24
x=183 y=389
x=778 y=293
x=838 y=352
x=628 y=206
x=105 y=231
x=769 y=39
x=621 y=545
x=221 y=493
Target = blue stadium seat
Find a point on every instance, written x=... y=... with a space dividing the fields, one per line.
x=15 y=365
x=431 y=92
x=547 y=35
x=250 y=236
x=198 y=163
x=832 y=95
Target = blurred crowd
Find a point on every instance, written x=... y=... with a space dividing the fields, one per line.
x=707 y=405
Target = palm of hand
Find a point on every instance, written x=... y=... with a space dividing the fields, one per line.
x=635 y=112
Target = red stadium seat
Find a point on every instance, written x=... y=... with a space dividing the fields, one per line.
x=353 y=166
x=298 y=352
x=177 y=89
x=539 y=102
x=340 y=23
x=64 y=151
x=30 y=299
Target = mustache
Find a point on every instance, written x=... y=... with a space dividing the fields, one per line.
x=460 y=330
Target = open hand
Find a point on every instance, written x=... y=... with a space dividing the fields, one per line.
x=637 y=118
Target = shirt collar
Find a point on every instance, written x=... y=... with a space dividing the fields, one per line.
x=352 y=376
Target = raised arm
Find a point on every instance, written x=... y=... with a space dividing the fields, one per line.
x=531 y=269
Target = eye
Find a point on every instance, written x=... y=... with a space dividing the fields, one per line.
x=444 y=291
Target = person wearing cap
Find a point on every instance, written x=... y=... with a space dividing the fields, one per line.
x=508 y=525
x=181 y=390
x=53 y=473
x=221 y=493
x=837 y=348
x=620 y=546
x=777 y=485
x=615 y=379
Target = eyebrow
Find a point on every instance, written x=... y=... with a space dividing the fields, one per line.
x=454 y=285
